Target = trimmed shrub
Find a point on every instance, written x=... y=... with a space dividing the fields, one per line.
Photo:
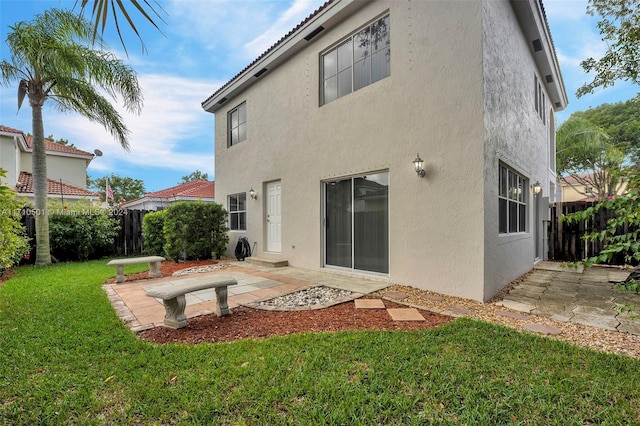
x=153 y=232
x=195 y=230
x=13 y=242
x=80 y=231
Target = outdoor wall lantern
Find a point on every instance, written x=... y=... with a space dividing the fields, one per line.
x=537 y=188
x=253 y=194
x=418 y=163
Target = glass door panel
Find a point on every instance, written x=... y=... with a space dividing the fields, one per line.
x=338 y=223
x=371 y=223
x=357 y=223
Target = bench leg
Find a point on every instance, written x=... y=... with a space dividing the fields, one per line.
x=154 y=270
x=221 y=301
x=174 y=316
x=120 y=273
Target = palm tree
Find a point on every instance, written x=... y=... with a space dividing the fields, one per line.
x=52 y=60
x=100 y=13
x=585 y=154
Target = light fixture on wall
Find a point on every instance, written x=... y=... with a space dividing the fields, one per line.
x=252 y=194
x=418 y=164
x=537 y=188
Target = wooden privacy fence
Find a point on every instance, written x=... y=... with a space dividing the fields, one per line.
x=566 y=242
x=128 y=241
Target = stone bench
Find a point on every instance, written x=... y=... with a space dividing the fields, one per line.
x=153 y=261
x=173 y=293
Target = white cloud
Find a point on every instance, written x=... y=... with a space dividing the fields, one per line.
x=171 y=133
x=291 y=17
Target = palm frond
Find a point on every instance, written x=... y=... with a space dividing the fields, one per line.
x=100 y=16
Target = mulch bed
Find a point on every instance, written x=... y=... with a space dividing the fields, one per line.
x=249 y=323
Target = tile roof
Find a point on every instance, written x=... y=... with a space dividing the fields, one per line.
x=195 y=189
x=58 y=147
x=276 y=44
x=49 y=145
x=11 y=130
x=53 y=187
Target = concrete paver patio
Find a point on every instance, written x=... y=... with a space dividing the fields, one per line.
x=550 y=290
x=584 y=296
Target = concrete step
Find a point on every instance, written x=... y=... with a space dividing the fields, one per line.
x=269 y=263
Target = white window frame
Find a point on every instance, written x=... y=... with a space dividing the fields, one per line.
x=347 y=70
x=234 y=210
x=237 y=126
x=513 y=193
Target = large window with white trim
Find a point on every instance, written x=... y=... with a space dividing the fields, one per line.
x=237 y=119
x=358 y=61
x=512 y=201
x=238 y=212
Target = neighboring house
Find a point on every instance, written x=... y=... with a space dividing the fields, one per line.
x=578 y=189
x=66 y=167
x=325 y=125
x=198 y=190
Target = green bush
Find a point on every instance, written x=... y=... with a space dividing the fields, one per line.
x=13 y=242
x=195 y=230
x=80 y=231
x=153 y=233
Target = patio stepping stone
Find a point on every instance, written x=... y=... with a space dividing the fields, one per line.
x=405 y=314
x=459 y=310
x=517 y=306
x=541 y=329
x=514 y=315
x=369 y=304
x=396 y=295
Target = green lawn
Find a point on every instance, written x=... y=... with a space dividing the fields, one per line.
x=66 y=358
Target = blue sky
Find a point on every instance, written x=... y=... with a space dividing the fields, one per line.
x=205 y=43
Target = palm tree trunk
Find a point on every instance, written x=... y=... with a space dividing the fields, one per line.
x=39 y=170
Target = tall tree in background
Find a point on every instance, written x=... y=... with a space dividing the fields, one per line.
x=621 y=121
x=124 y=188
x=197 y=175
x=101 y=9
x=52 y=59
x=620 y=29
x=585 y=153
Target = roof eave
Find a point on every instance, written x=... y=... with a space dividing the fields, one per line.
x=534 y=26
x=327 y=17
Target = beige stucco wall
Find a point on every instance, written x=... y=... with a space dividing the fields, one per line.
x=515 y=135
x=8 y=154
x=432 y=103
x=71 y=170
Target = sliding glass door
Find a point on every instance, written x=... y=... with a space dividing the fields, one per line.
x=357 y=223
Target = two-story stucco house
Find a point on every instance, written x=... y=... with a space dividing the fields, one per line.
x=66 y=167
x=324 y=127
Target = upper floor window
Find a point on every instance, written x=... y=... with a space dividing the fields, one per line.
x=512 y=201
x=358 y=61
x=540 y=100
x=238 y=212
x=237 y=119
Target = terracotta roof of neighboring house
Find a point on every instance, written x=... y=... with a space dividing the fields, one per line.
x=276 y=44
x=196 y=189
x=49 y=145
x=53 y=187
x=11 y=130
x=58 y=147
x=570 y=180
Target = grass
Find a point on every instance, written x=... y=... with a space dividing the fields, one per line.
x=66 y=358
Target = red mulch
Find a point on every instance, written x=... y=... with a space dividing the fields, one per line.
x=248 y=323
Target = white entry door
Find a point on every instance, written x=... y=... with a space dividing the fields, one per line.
x=274 y=216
